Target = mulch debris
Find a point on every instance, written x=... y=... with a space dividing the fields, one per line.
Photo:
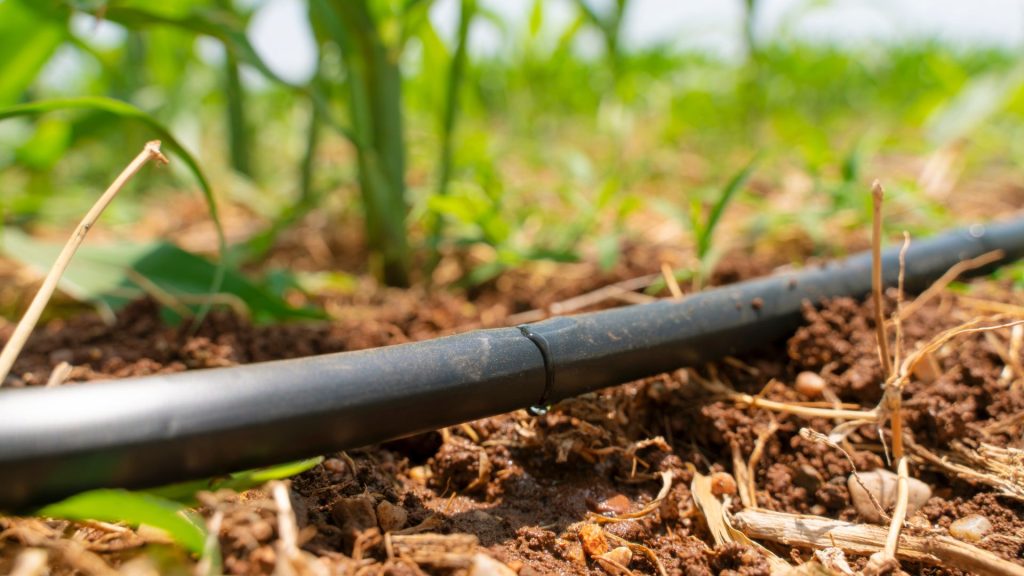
x=574 y=491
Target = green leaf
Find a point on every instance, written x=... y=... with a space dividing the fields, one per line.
x=738 y=181
x=185 y=492
x=27 y=41
x=979 y=100
x=228 y=28
x=111 y=275
x=536 y=18
x=608 y=251
x=47 y=145
x=132 y=508
x=129 y=112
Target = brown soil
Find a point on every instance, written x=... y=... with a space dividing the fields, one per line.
x=526 y=488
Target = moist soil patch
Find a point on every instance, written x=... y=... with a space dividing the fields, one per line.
x=534 y=492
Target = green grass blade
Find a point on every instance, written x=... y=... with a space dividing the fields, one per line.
x=185 y=492
x=230 y=31
x=449 y=117
x=375 y=101
x=133 y=508
x=27 y=41
x=238 y=129
x=738 y=181
x=127 y=111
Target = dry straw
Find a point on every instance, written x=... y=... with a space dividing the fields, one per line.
x=24 y=328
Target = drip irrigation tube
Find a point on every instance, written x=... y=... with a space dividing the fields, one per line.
x=154 y=430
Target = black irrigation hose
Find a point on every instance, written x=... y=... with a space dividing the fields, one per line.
x=158 y=429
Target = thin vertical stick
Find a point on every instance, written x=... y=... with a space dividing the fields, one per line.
x=898 y=314
x=899 y=514
x=877 y=194
x=35 y=309
x=670 y=281
x=894 y=384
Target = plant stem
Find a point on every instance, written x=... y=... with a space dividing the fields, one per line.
x=900 y=513
x=24 y=328
x=306 y=194
x=877 y=195
x=451 y=110
x=238 y=130
x=375 y=86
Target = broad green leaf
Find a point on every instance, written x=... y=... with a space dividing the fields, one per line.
x=130 y=112
x=27 y=41
x=133 y=508
x=185 y=492
x=46 y=147
x=113 y=275
x=229 y=29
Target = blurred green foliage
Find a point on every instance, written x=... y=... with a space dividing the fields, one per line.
x=539 y=150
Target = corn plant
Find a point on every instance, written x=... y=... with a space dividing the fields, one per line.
x=374 y=85
x=610 y=27
x=702 y=221
x=448 y=119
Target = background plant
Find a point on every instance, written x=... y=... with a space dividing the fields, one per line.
x=426 y=117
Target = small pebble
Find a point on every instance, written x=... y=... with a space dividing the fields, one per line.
x=970 y=528
x=336 y=466
x=919 y=520
x=722 y=483
x=809 y=384
x=614 y=505
x=882 y=484
x=420 y=474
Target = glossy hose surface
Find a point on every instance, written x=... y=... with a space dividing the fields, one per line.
x=160 y=429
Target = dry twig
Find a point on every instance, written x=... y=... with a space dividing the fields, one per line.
x=946 y=279
x=877 y=194
x=818 y=532
x=24 y=328
x=577 y=303
x=990 y=465
x=670 y=281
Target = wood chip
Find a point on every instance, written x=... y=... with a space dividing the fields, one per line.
x=865 y=539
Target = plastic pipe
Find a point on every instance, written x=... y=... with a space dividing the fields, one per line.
x=153 y=430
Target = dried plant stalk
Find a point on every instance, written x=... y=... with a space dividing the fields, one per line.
x=990 y=465
x=877 y=195
x=818 y=532
x=952 y=274
x=670 y=281
x=900 y=513
x=24 y=328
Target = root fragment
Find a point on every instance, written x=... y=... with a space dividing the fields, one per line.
x=865 y=539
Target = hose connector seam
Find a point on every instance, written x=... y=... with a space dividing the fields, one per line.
x=545 y=352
